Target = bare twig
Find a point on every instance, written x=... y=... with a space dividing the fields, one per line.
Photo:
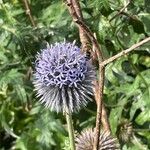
x=28 y=12
x=74 y=9
x=104 y=117
x=99 y=105
x=124 y=52
x=121 y=10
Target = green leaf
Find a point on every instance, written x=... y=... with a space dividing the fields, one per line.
x=115 y=115
x=21 y=93
x=143 y=117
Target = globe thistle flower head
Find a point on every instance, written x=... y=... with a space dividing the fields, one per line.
x=63 y=77
x=125 y=131
x=85 y=141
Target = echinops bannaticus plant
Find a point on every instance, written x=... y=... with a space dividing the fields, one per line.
x=63 y=77
x=85 y=141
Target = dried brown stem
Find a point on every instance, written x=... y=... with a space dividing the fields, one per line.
x=85 y=42
x=28 y=12
x=124 y=52
x=104 y=119
x=85 y=28
x=98 y=51
x=99 y=106
x=83 y=36
x=121 y=10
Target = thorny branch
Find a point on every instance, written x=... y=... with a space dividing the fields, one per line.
x=28 y=12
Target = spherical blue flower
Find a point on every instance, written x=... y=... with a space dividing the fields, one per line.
x=63 y=77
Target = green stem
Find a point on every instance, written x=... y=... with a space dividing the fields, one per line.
x=70 y=128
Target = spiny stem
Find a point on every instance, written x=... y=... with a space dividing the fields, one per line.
x=70 y=128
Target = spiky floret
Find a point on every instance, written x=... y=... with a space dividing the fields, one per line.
x=63 y=77
x=85 y=141
x=125 y=131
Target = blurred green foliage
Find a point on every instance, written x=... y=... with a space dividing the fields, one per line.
x=27 y=125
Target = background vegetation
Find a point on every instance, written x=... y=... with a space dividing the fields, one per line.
x=27 y=125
